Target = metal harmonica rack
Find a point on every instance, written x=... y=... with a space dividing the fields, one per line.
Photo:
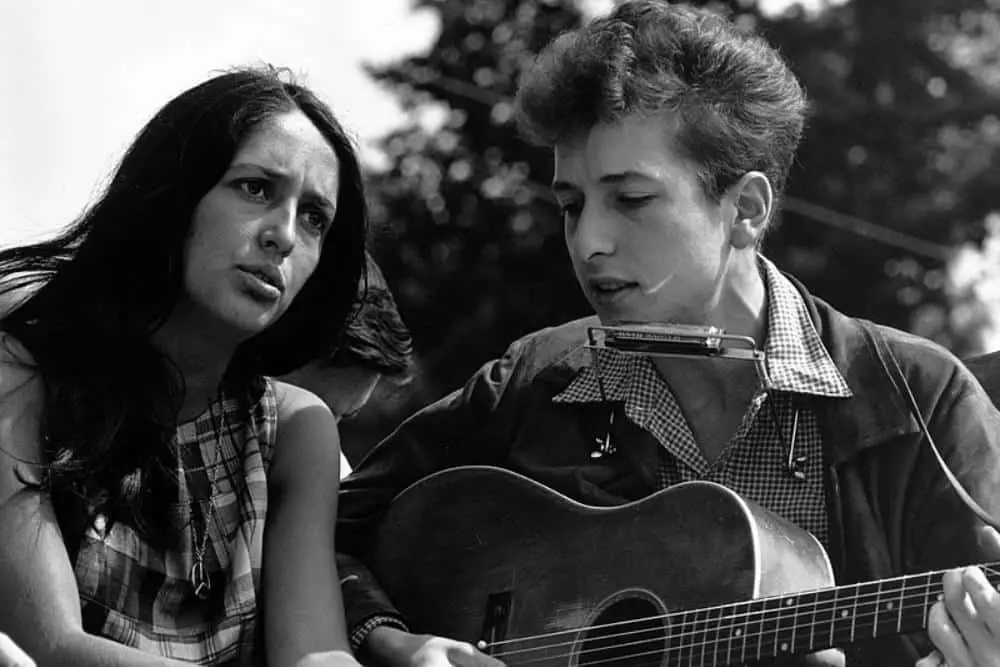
x=676 y=340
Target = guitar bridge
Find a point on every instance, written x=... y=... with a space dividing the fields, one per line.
x=496 y=620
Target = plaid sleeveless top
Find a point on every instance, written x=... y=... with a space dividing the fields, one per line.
x=140 y=595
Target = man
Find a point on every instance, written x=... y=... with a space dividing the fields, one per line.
x=376 y=345
x=672 y=134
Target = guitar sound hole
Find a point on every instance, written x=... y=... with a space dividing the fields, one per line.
x=627 y=633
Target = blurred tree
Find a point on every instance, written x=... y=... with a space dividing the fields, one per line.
x=465 y=228
x=903 y=134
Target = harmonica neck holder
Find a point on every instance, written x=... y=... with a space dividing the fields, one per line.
x=677 y=340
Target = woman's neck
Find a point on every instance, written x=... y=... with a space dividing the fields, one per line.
x=201 y=360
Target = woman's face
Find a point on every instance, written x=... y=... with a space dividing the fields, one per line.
x=256 y=236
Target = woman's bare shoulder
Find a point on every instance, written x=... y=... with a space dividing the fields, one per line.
x=308 y=443
x=18 y=374
x=21 y=399
x=291 y=398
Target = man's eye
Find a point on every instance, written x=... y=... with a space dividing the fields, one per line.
x=634 y=201
x=570 y=209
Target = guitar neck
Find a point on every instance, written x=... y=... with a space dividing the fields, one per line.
x=807 y=622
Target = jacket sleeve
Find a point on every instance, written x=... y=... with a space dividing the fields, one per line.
x=904 y=516
x=454 y=431
x=965 y=425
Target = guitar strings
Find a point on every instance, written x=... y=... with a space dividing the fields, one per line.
x=744 y=637
x=908 y=595
x=679 y=614
x=905 y=580
x=665 y=645
x=766 y=649
x=719 y=624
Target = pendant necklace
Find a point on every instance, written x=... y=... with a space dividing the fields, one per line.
x=198 y=577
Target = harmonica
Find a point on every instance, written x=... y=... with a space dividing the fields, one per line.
x=676 y=340
x=672 y=339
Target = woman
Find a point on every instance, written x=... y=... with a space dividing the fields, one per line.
x=11 y=654
x=143 y=443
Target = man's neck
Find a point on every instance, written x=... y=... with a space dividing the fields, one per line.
x=714 y=393
x=740 y=304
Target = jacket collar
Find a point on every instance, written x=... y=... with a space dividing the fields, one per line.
x=878 y=412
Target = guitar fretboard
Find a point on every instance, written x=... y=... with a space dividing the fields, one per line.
x=805 y=622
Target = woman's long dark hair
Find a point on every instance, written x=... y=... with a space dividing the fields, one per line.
x=99 y=290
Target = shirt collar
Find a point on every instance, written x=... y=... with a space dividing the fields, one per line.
x=796 y=359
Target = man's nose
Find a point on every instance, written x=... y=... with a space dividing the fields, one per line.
x=593 y=235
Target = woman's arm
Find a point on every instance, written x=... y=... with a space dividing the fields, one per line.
x=41 y=604
x=11 y=654
x=303 y=612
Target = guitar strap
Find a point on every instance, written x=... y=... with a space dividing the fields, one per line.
x=891 y=367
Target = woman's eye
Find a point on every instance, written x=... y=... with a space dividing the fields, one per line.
x=256 y=188
x=318 y=221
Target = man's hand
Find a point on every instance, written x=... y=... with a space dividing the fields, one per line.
x=11 y=654
x=395 y=648
x=965 y=626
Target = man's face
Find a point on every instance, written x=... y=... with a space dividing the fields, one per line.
x=646 y=242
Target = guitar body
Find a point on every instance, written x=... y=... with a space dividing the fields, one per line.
x=484 y=554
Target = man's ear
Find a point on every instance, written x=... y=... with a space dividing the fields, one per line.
x=753 y=199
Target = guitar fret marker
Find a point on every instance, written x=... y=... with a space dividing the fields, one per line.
x=738 y=632
x=790 y=602
x=844 y=613
x=784 y=647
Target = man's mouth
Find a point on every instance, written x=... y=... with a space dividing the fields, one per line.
x=610 y=286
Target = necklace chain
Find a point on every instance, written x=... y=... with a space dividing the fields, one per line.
x=198 y=577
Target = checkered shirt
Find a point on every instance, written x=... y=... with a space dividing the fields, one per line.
x=754 y=462
x=139 y=595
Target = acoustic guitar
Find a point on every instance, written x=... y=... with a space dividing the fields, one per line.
x=691 y=575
